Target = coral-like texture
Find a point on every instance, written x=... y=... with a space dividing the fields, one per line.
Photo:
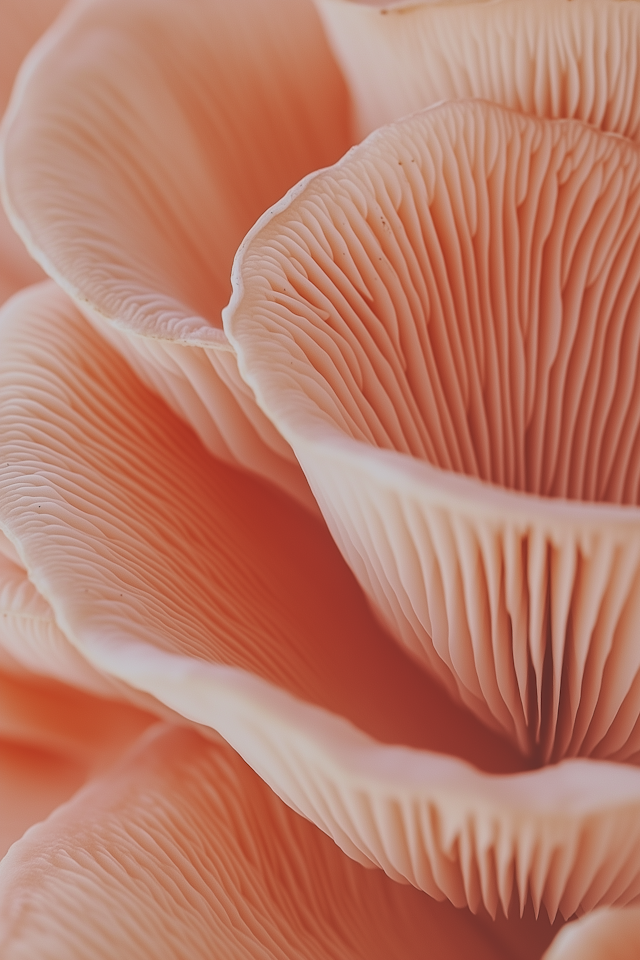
x=22 y=23
x=134 y=186
x=52 y=739
x=181 y=553
x=551 y=58
x=445 y=327
x=210 y=592
x=30 y=639
x=182 y=852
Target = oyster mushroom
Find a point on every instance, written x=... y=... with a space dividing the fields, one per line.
x=445 y=328
x=357 y=742
x=134 y=186
x=181 y=850
x=551 y=58
x=230 y=609
x=53 y=738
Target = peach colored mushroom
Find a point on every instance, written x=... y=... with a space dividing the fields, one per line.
x=445 y=328
x=21 y=23
x=53 y=739
x=133 y=185
x=136 y=566
x=230 y=609
x=182 y=851
x=159 y=592
x=551 y=58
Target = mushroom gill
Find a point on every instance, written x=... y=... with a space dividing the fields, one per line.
x=445 y=326
x=553 y=58
x=142 y=140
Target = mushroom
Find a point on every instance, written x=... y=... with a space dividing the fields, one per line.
x=551 y=58
x=133 y=186
x=445 y=326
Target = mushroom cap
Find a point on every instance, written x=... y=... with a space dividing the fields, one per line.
x=211 y=598
x=550 y=58
x=445 y=327
x=142 y=140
